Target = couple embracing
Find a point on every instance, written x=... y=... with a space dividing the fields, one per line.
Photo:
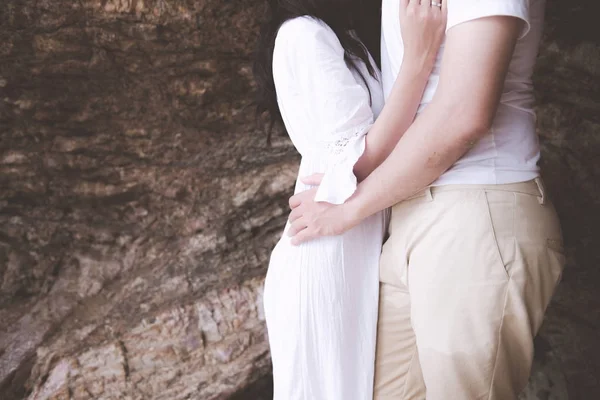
x=422 y=249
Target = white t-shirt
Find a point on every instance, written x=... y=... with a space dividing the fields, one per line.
x=510 y=151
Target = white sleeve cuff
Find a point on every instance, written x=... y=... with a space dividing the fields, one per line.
x=339 y=181
x=460 y=11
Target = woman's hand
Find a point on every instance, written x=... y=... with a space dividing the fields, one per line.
x=310 y=220
x=423 y=26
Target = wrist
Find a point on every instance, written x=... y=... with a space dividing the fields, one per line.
x=416 y=69
x=353 y=212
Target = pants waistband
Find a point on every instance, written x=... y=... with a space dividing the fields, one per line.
x=534 y=187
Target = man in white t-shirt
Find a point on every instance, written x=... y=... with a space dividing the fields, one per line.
x=475 y=249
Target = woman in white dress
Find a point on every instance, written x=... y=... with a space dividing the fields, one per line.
x=316 y=75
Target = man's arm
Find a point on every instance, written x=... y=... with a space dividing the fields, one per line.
x=474 y=67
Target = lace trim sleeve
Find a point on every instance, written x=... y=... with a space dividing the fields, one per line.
x=339 y=181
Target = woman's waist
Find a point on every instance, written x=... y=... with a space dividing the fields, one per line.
x=316 y=152
x=368 y=233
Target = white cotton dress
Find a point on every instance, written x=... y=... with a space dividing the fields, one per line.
x=321 y=298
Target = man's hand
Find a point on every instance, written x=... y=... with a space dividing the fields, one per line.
x=308 y=195
x=310 y=219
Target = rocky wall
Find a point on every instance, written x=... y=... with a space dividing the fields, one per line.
x=139 y=200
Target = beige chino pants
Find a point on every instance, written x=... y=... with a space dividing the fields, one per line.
x=466 y=276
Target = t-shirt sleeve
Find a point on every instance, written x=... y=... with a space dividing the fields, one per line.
x=460 y=11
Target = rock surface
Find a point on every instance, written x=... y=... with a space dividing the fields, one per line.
x=140 y=200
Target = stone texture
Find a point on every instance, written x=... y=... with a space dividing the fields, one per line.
x=208 y=347
x=140 y=201
x=568 y=90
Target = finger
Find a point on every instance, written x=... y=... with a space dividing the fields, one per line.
x=295 y=214
x=295 y=201
x=303 y=237
x=436 y=5
x=296 y=227
x=404 y=3
x=313 y=180
x=413 y=7
x=411 y=3
x=444 y=7
x=299 y=198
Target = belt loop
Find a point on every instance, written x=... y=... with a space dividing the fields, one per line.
x=429 y=194
x=540 y=185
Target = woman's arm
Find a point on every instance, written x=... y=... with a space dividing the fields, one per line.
x=423 y=29
x=313 y=79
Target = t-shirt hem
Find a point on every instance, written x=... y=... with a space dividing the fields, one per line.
x=485 y=9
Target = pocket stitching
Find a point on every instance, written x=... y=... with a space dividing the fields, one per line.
x=493 y=232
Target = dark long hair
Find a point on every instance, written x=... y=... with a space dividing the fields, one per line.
x=342 y=16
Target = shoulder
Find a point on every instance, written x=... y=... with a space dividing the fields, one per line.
x=305 y=36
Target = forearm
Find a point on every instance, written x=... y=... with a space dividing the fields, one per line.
x=462 y=111
x=474 y=68
x=436 y=140
x=395 y=118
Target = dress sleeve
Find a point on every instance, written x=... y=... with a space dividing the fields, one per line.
x=460 y=11
x=338 y=106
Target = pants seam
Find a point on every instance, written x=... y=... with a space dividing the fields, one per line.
x=499 y=340
x=410 y=367
x=514 y=211
x=490 y=392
